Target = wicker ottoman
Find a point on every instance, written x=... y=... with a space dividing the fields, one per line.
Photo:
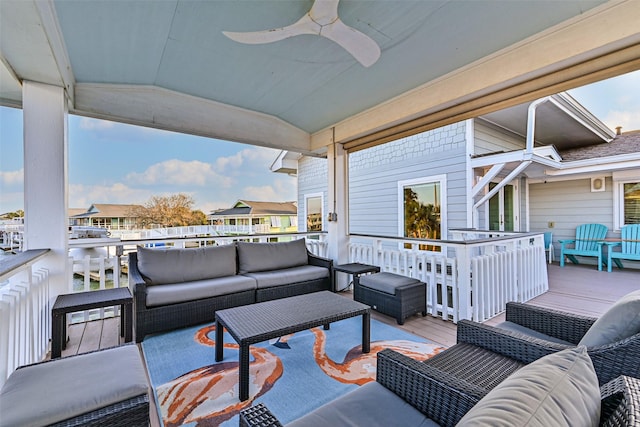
x=103 y=388
x=391 y=294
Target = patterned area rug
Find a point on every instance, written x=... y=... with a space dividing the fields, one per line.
x=292 y=375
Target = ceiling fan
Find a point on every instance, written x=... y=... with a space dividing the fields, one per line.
x=321 y=20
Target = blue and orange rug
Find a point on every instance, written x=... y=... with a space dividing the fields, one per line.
x=292 y=375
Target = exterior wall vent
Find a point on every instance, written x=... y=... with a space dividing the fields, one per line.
x=597 y=184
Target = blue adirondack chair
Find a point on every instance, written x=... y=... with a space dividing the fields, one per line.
x=588 y=242
x=630 y=246
x=548 y=245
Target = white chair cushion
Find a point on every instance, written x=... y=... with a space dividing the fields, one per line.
x=621 y=321
x=557 y=390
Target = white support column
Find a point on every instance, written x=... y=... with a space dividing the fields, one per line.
x=46 y=177
x=338 y=225
x=470 y=151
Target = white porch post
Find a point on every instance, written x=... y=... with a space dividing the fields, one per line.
x=45 y=177
x=338 y=194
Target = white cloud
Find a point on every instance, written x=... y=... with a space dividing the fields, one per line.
x=629 y=120
x=179 y=173
x=87 y=123
x=83 y=196
x=11 y=201
x=615 y=101
x=12 y=178
x=255 y=158
x=280 y=191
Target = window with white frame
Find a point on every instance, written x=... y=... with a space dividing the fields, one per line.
x=630 y=202
x=626 y=198
x=422 y=211
x=313 y=211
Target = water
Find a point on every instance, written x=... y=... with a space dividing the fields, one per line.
x=78 y=282
x=78 y=286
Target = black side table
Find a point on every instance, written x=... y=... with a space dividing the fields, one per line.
x=70 y=303
x=356 y=269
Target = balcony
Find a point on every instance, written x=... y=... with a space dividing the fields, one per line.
x=26 y=300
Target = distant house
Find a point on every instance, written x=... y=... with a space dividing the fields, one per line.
x=72 y=212
x=547 y=166
x=110 y=216
x=250 y=217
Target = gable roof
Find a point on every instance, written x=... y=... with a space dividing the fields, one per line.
x=254 y=208
x=72 y=212
x=107 y=210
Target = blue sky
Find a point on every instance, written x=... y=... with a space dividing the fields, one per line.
x=117 y=163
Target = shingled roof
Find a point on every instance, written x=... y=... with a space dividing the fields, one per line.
x=248 y=207
x=625 y=143
x=106 y=210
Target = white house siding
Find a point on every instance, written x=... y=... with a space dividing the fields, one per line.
x=568 y=204
x=374 y=174
x=492 y=139
x=312 y=179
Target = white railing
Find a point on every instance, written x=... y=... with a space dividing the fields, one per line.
x=11 y=237
x=178 y=232
x=472 y=278
x=25 y=315
x=241 y=229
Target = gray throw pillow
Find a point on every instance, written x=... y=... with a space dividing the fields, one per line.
x=253 y=257
x=162 y=266
x=560 y=389
x=621 y=321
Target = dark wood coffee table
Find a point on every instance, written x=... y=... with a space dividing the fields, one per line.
x=356 y=269
x=254 y=323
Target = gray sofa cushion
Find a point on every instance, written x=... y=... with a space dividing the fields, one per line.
x=386 y=282
x=267 y=279
x=560 y=389
x=199 y=289
x=50 y=392
x=514 y=327
x=160 y=266
x=620 y=321
x=254 y=257
x=369 y=405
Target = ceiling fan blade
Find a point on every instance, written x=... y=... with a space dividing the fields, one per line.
x=362 y=47
x=304 y=26
x=324 y=11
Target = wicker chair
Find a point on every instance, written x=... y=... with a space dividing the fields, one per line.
x=445 y=399
x=536 y=331
x=438 y=395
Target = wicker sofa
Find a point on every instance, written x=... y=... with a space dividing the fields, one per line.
x=560 y=389
x=174 y=288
